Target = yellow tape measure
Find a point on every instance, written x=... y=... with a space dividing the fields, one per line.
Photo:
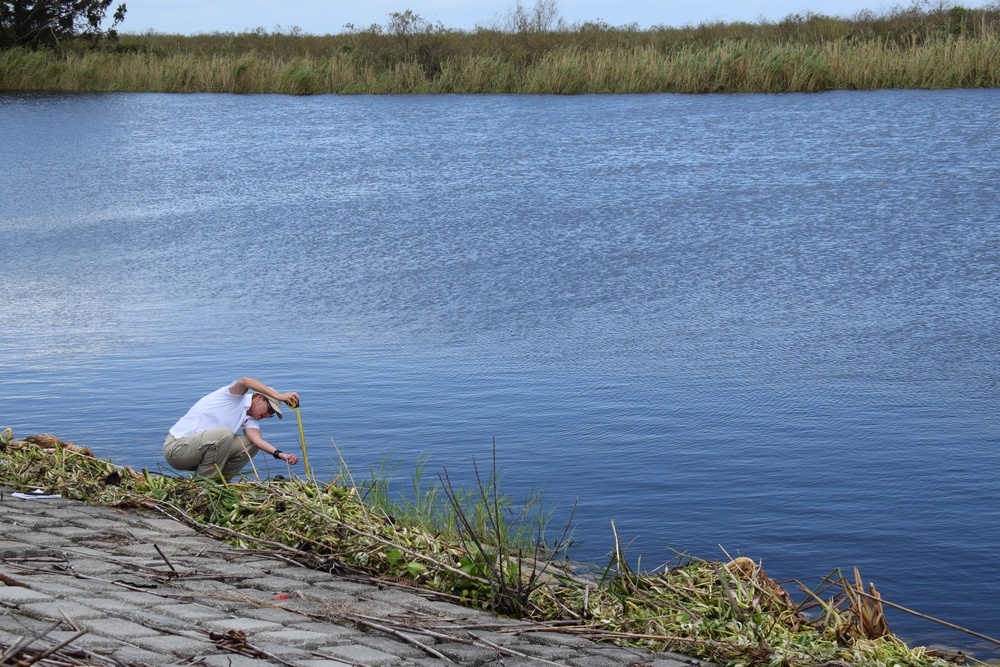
x=302 y=439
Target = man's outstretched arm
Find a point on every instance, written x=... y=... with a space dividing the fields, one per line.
x=243 y=385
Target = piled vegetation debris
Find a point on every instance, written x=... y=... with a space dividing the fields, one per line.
x=45 y=441
x=730 y=613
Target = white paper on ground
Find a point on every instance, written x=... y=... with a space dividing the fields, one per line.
x=37 y=494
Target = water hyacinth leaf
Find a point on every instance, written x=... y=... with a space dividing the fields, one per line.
x=416 y=568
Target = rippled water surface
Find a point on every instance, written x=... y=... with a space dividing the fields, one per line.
x=759 y=323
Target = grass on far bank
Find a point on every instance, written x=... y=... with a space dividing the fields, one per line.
x=469 y=552
x=916 y=47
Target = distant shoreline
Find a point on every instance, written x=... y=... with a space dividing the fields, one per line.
x=907 y=49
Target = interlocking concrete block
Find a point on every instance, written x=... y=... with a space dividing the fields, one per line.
x=195 y=544
x=24 y=524
x=302 y=574
x=446 y=610
x=89 y=641
x=498 y=638
x=234 y=660
x=190 y=612
x=11 y=572
x=11 y=548
x=372 y=608
x=324 y=596
x=133 y=598
x=38 y=537
x=396 y=647
x=137 y=563
x=8 y=638
x=153 y=619
x=349 y=587
x=293 y=637
x=595 y=661
x=95 y=566
x=110 y=606
x=110 y=525
x=14 y=622
x=143 y=534
x=276 y=584
x=513 y=661
x=94 y=587
x=354 y=654
x=551 y=653
x=284 y=650
x=80 y=551
x=57 y=608
x=19 y=595
x=622 y=655
x=206 y=586
x=307 y=606
x=275 y=615
x=321 y=662
x=259 y=598
x=116 y=628
x=142 y=550
x=84 y=512
x=166 y=527
x=242 y=624
x=467 y=654
x=181 y=647
x=223 y=569
x=76 y=533
x=559 y=639
x=133 y=655
x=57 y=586
x=394 y=596
x=438 y=662
x=335 y=634
x=667 y=659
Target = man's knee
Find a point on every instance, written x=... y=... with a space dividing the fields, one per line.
x=242 y=451
x=228 y=456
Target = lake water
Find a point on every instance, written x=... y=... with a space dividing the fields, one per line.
x=760 y=323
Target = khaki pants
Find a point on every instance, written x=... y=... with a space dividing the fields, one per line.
x=210 y=452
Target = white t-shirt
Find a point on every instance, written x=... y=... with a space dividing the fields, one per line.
x=220 y=409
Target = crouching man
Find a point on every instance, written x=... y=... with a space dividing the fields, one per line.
x=221 y=433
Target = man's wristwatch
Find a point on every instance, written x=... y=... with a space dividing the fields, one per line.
x=277 y=453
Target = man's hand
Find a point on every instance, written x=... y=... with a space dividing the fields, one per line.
x=292 y=459
x=291 y=399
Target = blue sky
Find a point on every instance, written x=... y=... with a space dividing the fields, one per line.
x=330 y=16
